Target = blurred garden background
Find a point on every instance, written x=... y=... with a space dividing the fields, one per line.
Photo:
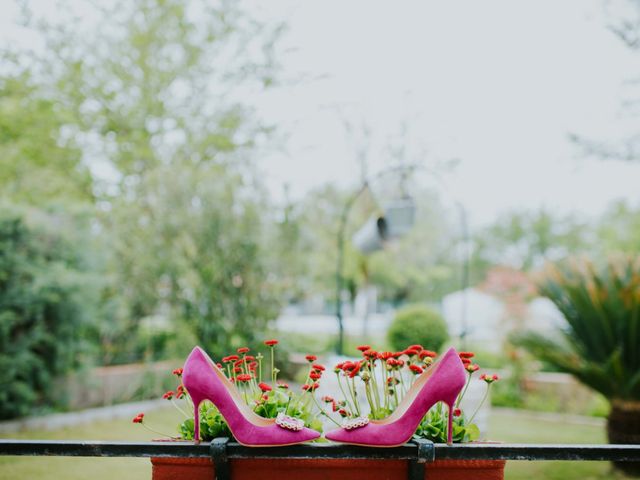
x=181 y=172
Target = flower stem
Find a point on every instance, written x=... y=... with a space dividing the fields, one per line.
x=322 y=412
x=463 y=391
x=286 y=409
x=385 y=385
x=155 y=431
x=374 y=380
x=344 y=395
x=180 y=409
x=367 y=391
x=486 y=394
x=354 y=394
x=273 y=368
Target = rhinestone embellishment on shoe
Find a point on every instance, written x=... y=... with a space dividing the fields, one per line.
x=357 y=422
x=290 y=423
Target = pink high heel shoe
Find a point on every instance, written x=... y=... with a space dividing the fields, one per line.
x=442 y=382
x=205 y=381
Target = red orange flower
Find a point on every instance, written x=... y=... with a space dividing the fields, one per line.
x=245 y=377
x=428 y=353
x=243 y=350
x=270 y=343
x=371 y=354
x=138 y=418
x=177 y=371
x=317 y=366
x=264 y=387
x=364 y=348
x=230 y=358
x=489 y=378
x=415 y=369
x=355 y=369
x=169 y=395
x=283 y=385
x=466 y=354
x=311 y=358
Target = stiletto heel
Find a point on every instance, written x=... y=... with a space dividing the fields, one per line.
x=440 y=383
x=196 y=420
x=450 y=424
x=205 y=381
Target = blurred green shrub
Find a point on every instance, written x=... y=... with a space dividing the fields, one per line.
x=417 y=324
x=45 y=308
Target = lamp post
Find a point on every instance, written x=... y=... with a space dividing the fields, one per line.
x=383 y=231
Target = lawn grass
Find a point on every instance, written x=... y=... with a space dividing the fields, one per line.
x=163 y=420
x=525 y=429
x=507 y=428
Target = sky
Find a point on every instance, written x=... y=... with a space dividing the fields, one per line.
x=497 y=85
x=494 y=88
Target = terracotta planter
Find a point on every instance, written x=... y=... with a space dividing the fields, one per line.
x=323 y=469
x=623 y=426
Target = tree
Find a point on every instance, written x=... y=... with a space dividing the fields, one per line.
x=155 y=95
x=525 y=240
x=194 y=245
x=38 y=164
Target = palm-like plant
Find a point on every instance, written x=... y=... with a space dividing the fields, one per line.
x=600 y=345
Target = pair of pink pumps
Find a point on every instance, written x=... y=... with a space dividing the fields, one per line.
x=205 y=381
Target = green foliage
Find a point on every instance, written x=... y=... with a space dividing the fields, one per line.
x=417 y=324
x=434 y=427
x=601 y=343
x=212 y=424
x=38 y=165
x=44 y=289
x=193 y=244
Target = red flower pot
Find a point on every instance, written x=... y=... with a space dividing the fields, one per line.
x=322 y=469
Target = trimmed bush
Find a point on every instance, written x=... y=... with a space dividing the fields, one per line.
x=417 y=324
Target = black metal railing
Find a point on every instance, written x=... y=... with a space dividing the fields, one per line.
x=419 y=452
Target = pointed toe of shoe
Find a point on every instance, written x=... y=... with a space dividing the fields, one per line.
x=336 y=435
x=309 y=434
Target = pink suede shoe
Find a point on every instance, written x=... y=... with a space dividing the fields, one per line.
x=205 y=381
x=442 y=382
